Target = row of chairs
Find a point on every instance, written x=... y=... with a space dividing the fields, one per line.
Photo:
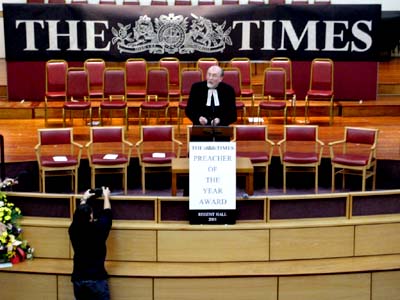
x=108 y=152
x=183 y=2
x=136 y=81
x=300 y=150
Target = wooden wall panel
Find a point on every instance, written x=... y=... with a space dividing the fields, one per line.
x=131 y=288
x=255 y=288
x=213 y=245
x=385 y=285
x=132 y=245
x=318 y=242
x=65 y=288
x=16 y=286
x=377 y=239
x=49 y=242
x=327 y=287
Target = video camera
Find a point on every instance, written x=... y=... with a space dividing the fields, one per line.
x=98 y=192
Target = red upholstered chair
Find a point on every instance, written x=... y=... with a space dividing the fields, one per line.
x=300 y=2
x=300 y=150
x=114 y=93
x=204 y=63
x=77 y=93
x=58 y=155
x=156 y=149
x=206 y=2
x=230 y=2
x=183 y=2
x=130 y=2
x=79 y=1
x=244 y=65
x=355 y=155
x=157 y=93
x=95 y=68
x=232 y=77
x=276 y=2
x=34 y=1
x=109 y=2
x=188 y=77
x=109 y=153
x=252 y=142
x=56 y=83
x=136 y=76
x=172 y=64
x=159 y=2
x=56 y=1
x=321 y=85
x=286 y=63
x=273 y=92
x=256 y=2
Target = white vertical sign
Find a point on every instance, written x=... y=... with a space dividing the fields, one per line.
x=212 y=175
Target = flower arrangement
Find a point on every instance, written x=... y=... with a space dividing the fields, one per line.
x=12 y=248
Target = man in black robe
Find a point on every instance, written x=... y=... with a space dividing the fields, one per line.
x=212 y=102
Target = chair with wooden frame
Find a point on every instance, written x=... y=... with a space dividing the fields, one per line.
x=56 y=83
x=187 y=78
x=286 y=63
x=159 y=2
x=230 y=2
x=300 y=150
x=355 y=154
x=256 y=2
x=130 y=2
x=206 y=2
x=109 y=153
x=58 y=155
x=114 y=93
x=300 y=2
x=78 y=98
x=172 y=64
x=135 y=78
x=157 y=93
x=273 y=92
x=252 y=142
x=204 y=63
x=321 y=85
x=108 y=2
x=183 y=2
x=275 y=2
x=95 y=68
x=156 y=149
x=244 y=65
x=232 y=77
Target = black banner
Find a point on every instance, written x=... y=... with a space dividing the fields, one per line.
x=38 y=32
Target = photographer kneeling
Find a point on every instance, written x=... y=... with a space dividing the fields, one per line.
x=88 y=237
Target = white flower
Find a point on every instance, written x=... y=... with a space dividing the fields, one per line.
x=1 y=203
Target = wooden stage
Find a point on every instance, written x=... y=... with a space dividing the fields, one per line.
x=19 y=121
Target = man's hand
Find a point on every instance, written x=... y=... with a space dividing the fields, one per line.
x=203 y=121
x=86 y=196
x=215 y=122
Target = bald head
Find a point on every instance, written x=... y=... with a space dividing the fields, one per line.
x=214 y=76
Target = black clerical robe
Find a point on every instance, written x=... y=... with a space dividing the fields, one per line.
x=226 y=111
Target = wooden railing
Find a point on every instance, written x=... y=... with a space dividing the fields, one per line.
x=153 y=253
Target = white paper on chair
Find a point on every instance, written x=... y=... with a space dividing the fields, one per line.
x=158 y=155
x=110 y=156
x=60 y=158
